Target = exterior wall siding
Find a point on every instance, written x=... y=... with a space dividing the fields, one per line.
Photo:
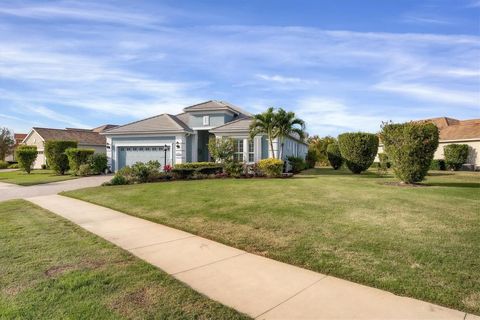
x=216 y=119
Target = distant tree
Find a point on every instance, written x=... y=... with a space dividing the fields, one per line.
x=288 y=124
x=55 y=153
x=320 y=145
x=6 y=142
x=334 y=156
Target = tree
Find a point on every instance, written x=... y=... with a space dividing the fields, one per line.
x=287 y=124
x=265 y=123
x=410 y=148
x=55 y=153
x=334 y=156
x=320 y=145
x=358 y=149
x=222 y=149
x=455 y=155
x=26 y=156
x=6 y=142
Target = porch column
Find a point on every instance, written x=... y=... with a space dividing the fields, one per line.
x=179 y=149
x=195 y=146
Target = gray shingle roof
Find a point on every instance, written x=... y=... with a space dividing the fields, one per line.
x=239 y=125
x=214 y=105
x=163 y=123
x=82 y=136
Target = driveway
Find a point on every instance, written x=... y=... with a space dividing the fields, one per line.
x=12 y=191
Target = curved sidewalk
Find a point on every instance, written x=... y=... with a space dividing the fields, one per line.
x=260 y=287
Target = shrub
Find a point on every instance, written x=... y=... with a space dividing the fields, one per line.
x=297 y=164
x=455 y=155
x=234 y=168
x=311 y=158
x=118 y=180
x=438 y=165
x=167 y=168
x=98 y=163
x=410 y=147
x=221 y=150
x=334 y=156
x=183 y=173
x=77 y=157
x=44 y=167
x=358 y=149
x=271 y=167
x=26 y=156
x=196 y=165
x=55 y=153
x=384 y=161
x=84 y=170
x=3 y=164
x=14 y=166
x=145 y=172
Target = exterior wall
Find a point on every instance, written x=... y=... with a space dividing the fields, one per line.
x=118 y=141
x=291 y=147
x=98 y=149
x=216 y=119
x=34 y=139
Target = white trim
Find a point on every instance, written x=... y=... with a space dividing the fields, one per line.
x=202 y=128
x=458 y=140
x=142 y=145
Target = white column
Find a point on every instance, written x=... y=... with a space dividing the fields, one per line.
x=195 y=146
x=257 y=147
x=179 y=149
x=245 y=150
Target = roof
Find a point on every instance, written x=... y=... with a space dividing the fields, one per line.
x=215 y=105
x=19 y=136
x=239 y=125
x=104 y=127
x=165 y=123
x=453 y=129
x=82 y=136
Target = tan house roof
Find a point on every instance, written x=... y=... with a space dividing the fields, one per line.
x=453 y=129
x=215 y=105
x=163 y=123
x=82 y=136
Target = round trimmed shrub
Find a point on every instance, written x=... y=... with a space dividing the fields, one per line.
x=410 y=147
x=271 y=167
x=26 y=156
x=358 y=149
x=55 y=152
x=98 y=163
x=334 y=156
x=455 y=155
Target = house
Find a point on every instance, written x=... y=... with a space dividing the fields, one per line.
x=86 y=138
x=173 y=139
x=459 y=132
x=18 y=138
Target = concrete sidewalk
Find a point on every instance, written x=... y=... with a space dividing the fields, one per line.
x=260 y=287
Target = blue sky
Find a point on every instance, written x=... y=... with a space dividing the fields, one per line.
x=340 y=65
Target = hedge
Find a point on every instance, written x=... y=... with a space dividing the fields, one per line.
x=455 y=155
x=98 y=163
x=55 y=153
x=271 y=167
x=77 y=157
x=26 y=156
x=410 y=147
x=311 y=158
x=358 y=149
x=297 y=164
x=196 y=165
x=334 y=156
x=437 y=165
x=3 y=164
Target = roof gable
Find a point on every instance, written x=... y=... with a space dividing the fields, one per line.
x=82 y=136
x=214 y=105
x=157 y=124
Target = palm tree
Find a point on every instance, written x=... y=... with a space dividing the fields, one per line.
x=286 y=124
x=265 y=123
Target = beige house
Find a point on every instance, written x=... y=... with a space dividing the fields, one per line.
x=86 y=138
x=459 y=132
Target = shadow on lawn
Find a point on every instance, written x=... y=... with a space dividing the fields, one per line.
x=454 y=184
x=340 y=172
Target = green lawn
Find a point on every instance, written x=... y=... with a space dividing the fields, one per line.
x=35 y=177
x=51 y=269
x=422 y=242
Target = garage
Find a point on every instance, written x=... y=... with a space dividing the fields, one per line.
x=128 y=155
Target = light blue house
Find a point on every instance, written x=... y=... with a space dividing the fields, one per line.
x=173 y=139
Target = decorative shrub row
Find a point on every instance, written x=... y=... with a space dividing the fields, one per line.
x=26 y=156
x=455 y=155
x=358 y=149
x=410 y=147
x=334 y=156
x=55 y=153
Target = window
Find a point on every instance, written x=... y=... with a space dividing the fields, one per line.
x=251 y=153
x=238 y=150
x=206 y=120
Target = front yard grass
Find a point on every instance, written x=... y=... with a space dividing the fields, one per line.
x=422 y=242
x=51 y=269
x=35 y=177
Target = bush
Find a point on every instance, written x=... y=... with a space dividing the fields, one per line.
x=55 y=153
x=84 y=170
x=410 y=147
x=358 y=149
x=118 y=180
x=98 y=163
x=196 y=165
x=44 y=167
x=334 y=156
x=77 y=157
x=14 y=166
x=145 y=172
x=311 y=158
x=221 y=150
x=26 y=156
x=183 y=173
x=384 y=161
x=297 y=164
x=234 y=168
x=3 y=164
x=437 y=165
x=455 y=155
x=271 y=167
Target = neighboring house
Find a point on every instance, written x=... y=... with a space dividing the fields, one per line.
x=18 y=137
x=459 y=132
x=173 y=139
x=86 y=138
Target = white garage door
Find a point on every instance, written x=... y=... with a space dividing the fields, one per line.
x=130 y=155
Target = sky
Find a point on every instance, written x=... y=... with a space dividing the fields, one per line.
x=341 y=65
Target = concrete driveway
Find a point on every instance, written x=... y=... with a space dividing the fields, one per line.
x=12 y=191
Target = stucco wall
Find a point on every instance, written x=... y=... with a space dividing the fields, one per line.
x=216 y=119
x=34 y=139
